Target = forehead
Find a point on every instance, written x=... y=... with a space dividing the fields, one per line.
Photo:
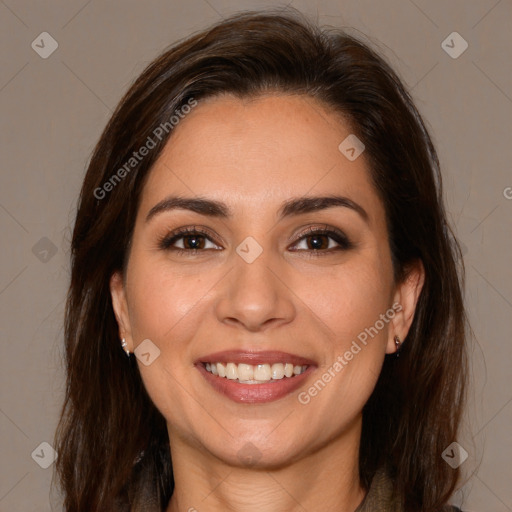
x=259 y=152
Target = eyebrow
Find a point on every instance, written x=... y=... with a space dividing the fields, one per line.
x=295 y=206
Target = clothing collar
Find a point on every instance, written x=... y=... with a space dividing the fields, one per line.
x=379 y=497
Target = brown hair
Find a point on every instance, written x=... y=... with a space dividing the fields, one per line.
x=112 y=442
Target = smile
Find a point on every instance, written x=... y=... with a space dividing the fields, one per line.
x=255 y=374
x=255 y=377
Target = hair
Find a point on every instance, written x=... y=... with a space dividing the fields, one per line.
x=112 y=441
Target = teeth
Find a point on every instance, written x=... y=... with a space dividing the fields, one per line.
x=277 y=371
x=245 y=371
x=254 y=374
x=231 y=371
x=262 y=372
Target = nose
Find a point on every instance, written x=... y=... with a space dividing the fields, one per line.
x=255 y=295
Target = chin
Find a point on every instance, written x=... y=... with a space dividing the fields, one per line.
x=256 y=453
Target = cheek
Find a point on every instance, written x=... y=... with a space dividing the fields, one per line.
x=352 y=311
x=359 y=319
x=348 y=299
x=164 y=307
x=161 y=299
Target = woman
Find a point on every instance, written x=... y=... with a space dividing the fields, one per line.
x=265 y=309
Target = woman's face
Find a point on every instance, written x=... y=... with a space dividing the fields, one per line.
x=255 y=283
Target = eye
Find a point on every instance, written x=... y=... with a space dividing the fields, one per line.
x=323 y=241
x=317 y=241
x=187 y=240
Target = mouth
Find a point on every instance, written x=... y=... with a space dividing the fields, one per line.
x=255 y=374
x=255 y=377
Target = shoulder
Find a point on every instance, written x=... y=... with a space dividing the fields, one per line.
x=451 y=508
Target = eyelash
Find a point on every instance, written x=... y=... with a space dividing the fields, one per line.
x=165 y=242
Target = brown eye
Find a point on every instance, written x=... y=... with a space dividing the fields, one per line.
x=323 y=241
x=317 y=242
x=187 y=240
x=193 y=241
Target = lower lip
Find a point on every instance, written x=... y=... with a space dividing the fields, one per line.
x=255 y=393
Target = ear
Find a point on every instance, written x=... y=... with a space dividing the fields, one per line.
x=404 y=304
x=117 y=292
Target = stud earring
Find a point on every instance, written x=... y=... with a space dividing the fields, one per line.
x=124 y=345
x=397 y=344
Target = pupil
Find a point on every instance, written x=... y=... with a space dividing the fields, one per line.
x=316 y=241
x=193 y=240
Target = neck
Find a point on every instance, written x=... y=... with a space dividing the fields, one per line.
x=326 y=479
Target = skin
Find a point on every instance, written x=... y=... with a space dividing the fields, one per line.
x=254 y=155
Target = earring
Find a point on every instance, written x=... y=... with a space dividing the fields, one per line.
x=397 y=343
x=124 y=344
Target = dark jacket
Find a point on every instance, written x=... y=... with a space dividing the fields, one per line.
x=380 y=497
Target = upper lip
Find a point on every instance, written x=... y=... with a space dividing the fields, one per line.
x=255 y=357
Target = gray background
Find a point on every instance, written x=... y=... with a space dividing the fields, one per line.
x=53 y=111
